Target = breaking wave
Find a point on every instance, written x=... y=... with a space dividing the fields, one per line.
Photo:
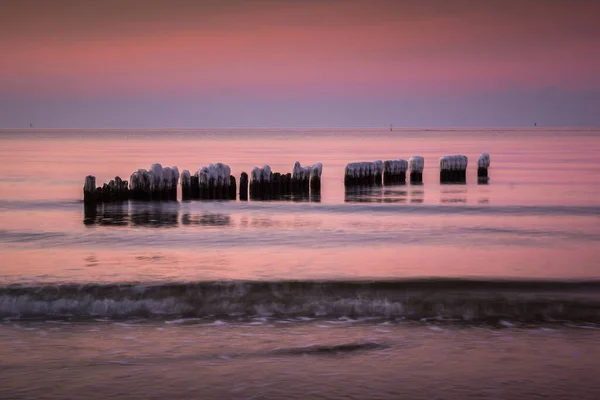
x=416 y=299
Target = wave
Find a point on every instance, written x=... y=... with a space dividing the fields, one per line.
x=416 y=299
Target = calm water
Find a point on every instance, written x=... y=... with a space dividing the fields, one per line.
x=421 y=291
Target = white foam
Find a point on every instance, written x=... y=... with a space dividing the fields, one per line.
x=182 y=321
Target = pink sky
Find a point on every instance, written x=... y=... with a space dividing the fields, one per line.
x=296 y=50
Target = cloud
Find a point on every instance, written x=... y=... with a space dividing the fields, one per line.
x=295 y=51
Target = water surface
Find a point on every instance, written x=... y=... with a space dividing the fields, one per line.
x=487 y=291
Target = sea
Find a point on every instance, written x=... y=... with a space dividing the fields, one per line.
x=480 y=290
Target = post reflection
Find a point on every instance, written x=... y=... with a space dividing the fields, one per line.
x=206 y=219
x=313 y=197
x=132 y=214
x=400 y=193
x=454 y=195
x=159 y=215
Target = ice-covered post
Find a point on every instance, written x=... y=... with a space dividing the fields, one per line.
x=444 y=169
x=223 y=181
x=186 y=185
x=244 y=186
x=134 y=185
x=266 y=181
x=300 y=178
x=174 y=182
x=305 y=187
x=297 y=176
x=394 y=171
x=453 y=169
x=202 y=176
x=120 y=189
x=349 y=174
x=365 y=173
x=462 y=168
x=89 y=189
x=140 y=185
x=155 y=181
x=415 y=167
x=214 y=181
x=255 y=189
x=378 y=170
x=388 y=172
x=483 y=163
x=315 y=178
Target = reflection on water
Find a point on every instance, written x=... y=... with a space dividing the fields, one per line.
x=163 y=215
x=314 y=197
x=206 y=219
x=132 y=214
x=453 y=195
x=400 y=193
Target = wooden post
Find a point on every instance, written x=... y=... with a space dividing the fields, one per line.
x=483 y=163
x=276 y=185
x=349 y=174
x=416 y=165
x=315 y=179
x=379 y=168
x=388 y=172
x=232 y=189
x=244 y=186
x=194 y=187
x=89 y=190
x=255 y=189
x=453 y=169
x=266 y=182
x=186 y=185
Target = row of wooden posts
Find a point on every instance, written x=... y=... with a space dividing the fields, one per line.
x=215 y=182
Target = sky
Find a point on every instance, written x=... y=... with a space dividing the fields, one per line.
x=299 y=63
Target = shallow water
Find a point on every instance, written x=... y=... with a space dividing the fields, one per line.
x=330 y=359
x=539 y=216
x=420 y=291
